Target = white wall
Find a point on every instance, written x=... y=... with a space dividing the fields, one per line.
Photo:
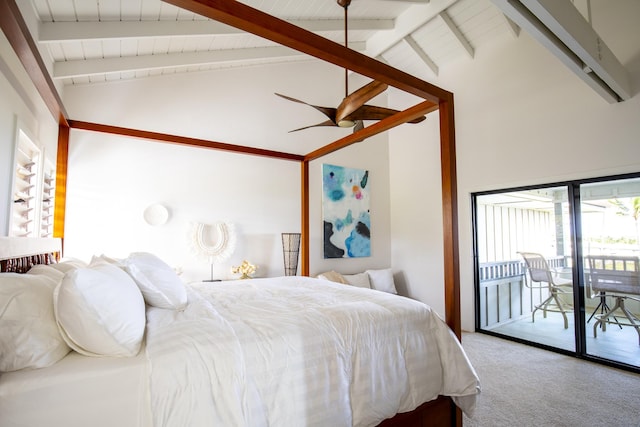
x=113 y=179
x=521 y=118
x=20 y=106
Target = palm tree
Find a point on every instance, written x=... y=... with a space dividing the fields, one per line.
x=629 y=207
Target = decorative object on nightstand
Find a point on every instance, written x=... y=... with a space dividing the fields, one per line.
x=246 y=269
x=223 y=238
x=290 y=251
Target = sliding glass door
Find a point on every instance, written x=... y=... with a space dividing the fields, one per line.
x=610 y=248
x=513 y=227
x=558 y=266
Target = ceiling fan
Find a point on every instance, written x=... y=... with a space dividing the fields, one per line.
x=352 y=111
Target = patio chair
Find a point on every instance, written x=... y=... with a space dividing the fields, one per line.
x=544 y=278
x=618 y=277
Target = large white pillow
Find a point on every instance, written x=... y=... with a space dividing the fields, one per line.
x=29 y=336
x=360 y=280
x=159 y=283
x=100 y=311
x=382 y=280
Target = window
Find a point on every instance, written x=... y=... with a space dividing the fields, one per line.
x=551 y=300
x=33 y=191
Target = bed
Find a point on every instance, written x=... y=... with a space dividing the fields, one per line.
x=285 y=351
x=439 y=411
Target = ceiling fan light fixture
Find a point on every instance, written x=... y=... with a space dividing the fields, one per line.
x=346 y=123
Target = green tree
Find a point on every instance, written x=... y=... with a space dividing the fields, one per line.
x=629 y=207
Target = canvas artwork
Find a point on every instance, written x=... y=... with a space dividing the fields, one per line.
x=345 y=212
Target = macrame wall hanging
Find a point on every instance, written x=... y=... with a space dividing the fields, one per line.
x=214 y=242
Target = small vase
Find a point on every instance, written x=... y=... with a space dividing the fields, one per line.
x=245 y=276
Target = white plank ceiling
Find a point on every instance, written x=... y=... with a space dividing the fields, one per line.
x=90 y=41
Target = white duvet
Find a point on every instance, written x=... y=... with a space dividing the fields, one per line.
x=297 y=351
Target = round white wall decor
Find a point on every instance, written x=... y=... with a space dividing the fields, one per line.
x=156 y=214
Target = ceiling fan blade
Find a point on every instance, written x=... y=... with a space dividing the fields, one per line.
x=327 y=111
x=357 y=99
x=372 y=112
x=325 y=123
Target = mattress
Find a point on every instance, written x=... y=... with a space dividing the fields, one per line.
x=78 y=391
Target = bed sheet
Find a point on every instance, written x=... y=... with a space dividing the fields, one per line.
x=299 y=351
x=78 y=391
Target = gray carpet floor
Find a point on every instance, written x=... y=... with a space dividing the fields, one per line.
x=526 y=386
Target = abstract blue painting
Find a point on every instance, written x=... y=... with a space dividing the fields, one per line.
x=345 y=212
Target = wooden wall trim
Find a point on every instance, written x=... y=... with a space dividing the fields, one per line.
x=16 y=30
x=182 y=140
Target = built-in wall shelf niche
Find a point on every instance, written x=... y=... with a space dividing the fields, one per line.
x=33 y=190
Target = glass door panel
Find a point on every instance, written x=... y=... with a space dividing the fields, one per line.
x=610 y=213
x=532 y=300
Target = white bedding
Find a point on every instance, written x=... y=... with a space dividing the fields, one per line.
x=281 y=352
x=297 y=351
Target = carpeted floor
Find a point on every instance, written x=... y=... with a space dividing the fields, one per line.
x=525 y=386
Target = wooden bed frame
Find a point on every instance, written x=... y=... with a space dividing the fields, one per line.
x=238 y=15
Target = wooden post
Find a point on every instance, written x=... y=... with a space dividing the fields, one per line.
x=60 y=200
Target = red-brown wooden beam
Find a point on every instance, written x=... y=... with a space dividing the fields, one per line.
x=246 y=18
x=16 y=30
x=390 y=122
x=182 y=140
x=60 y=199
x=304 y=220
x=450 y=216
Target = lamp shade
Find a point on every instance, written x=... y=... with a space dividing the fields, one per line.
x=290 y=251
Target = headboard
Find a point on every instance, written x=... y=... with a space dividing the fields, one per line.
x=19 y=254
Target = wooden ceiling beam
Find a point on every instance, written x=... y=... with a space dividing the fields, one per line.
x=61 y=32
x=390 y=122
x=277 y=30
x=15 y=29
x=99 y=66
x=182 y=140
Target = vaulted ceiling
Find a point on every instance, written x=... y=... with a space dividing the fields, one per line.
x=90 y=41
x=101 y=40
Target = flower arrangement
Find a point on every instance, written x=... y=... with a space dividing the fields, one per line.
x=246 y=269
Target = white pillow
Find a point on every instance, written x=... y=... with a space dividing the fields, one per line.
x=68 y=264
x=382 y=280
x=47 y=270
x=29 y=336
x=360 y=280
x=96 y=259
x=159 y=283
x=100 y=311
x=332 y=276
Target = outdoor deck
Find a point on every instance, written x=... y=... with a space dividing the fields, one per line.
x=617 y=344
x=506 y=304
